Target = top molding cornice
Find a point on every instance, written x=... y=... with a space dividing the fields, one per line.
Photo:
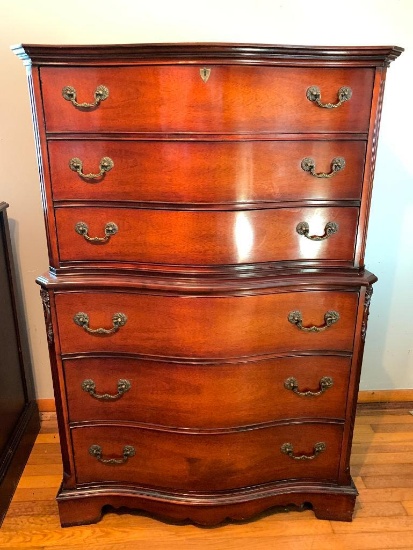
x=165 y=53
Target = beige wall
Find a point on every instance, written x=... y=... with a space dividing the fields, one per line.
x=388 y=359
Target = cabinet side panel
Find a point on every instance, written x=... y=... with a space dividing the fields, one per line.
x=36 y=102
x=375 y=116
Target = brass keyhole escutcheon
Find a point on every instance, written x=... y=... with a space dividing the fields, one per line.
x=205 y=73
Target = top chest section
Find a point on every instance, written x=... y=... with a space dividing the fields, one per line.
x=203 y=98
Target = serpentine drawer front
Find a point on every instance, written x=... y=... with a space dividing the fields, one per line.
x=206 y=210
x=229 y=173
x=221 y=327
x=236 y=98
x=206 y=237
x=188 y=461
x=148 y=391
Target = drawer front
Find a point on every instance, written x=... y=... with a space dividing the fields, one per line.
x=208 y=327
x=205 y=172
x=234 y=99
x=185 y=395
x=205 y=237
x=206 y=462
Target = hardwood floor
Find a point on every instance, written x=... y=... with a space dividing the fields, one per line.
x=382 y=465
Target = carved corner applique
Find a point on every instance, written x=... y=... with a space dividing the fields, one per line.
x=47 y=315
x=367 y=300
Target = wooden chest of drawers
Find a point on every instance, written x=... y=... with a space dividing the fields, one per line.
x=206 y=210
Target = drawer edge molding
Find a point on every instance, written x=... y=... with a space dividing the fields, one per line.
x=211 y=285
x=195 y=361
x=207 y=431
x=256 y=270
x=198 y=136
x=205 y=207
x=205 y=497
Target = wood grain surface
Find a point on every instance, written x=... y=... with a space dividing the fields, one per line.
x=206 y=238
x=206 y=327
x=234 y=99
x=185 y=461
x=206 y=171
x=168 y=393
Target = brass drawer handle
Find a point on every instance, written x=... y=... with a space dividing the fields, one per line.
x=329 y=229
x=89 y=386
x=296 y=318
x=314 y=94
x=101 y=93
x=106 y=164
x=288 y=449
x=82 y=319
x=96 y=451
x=291 y=383
x=308 y=165
x=110 y=229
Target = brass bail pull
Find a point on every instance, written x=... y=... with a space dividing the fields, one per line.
x=314 y=95
x=82 y=320
x=329 y=229
x=288 y=449
x=101 y=93
x=89 y=386
x=291 y=383
x=330 y=318
x=337 y=164
x=96 y=452
x=82 y=229
x=106 y=164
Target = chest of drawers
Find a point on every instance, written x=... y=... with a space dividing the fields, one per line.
x=206 y=209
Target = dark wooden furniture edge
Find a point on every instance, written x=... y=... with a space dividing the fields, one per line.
x=19 y=446
x=217 y=52
x=17 y=454
x=207 y=285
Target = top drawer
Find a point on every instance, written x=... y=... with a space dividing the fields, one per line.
x=234 y=99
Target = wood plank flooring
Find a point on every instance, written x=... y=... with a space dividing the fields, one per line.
x=382 y=466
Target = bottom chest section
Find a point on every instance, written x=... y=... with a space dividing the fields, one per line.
x=187 y=396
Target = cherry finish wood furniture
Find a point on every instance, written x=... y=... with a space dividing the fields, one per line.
x=206 y=209
x=20 y=422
